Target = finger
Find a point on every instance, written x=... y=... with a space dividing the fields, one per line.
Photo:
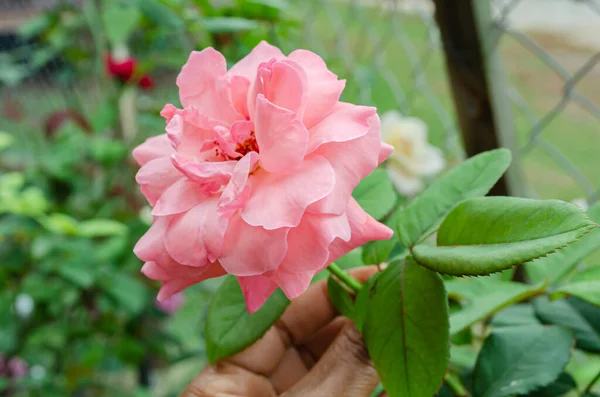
x=303 y=317
x=344 y=370
x=313 y=310
x=300 y=359
x=224 y=379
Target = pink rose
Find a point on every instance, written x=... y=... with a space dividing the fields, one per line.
x=254 y=175
x=170 y=305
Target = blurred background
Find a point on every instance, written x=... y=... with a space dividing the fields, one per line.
x=82 y=83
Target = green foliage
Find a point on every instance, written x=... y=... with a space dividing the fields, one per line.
x=229 y=326
x=409 y=345
x=583 y=319
x=517 y=360
x=475 y=177
x=482 y=298
x=487 y=235
x=556 y=268
x=340 y=298
x=376 y=194
x=119 y=22
x=587 y=290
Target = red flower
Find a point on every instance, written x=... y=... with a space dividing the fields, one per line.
x=122 y=70
x=146 y=82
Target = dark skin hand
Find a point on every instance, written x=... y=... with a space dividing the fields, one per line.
x=310 y=351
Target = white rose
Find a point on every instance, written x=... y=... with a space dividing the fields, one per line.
x=24 y=305
x=413 y=158
x=581 y=203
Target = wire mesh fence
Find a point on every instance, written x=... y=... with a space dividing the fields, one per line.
x=391 y=54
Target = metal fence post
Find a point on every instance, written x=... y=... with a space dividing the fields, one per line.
x=478 y=84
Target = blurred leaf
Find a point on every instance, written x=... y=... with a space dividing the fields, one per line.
x=160 y=14
x=376 y=194
x=475 y=177
x=517 y=360
x=128 y=292
x=463 y=356
x=11 y=182
x=583 y=320
x=489 y=297
x=35 y=25
x=490 y=234
x=229 y=326
x=106 y=151
x=562 y=385
x=80 y=274
x=521 y=314
x=229 y=24
x=556 y=267
x=104 y=116
x=60 y=224
x=340 y=298
x=588 y=291
x=101 y=228
x=406 y=329
x=590 y=274
x=119 y=21
x=6 y=140
x=361 y=304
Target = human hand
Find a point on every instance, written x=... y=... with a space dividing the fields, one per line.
x=310 y=351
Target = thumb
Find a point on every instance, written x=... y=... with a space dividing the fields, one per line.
x=344 y=370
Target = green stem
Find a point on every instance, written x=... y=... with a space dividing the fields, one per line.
x=589 y=387
x=344 y=277
x=454 y=383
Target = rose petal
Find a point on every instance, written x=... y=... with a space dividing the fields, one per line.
x=281 y=137
x=323 y=90
x=293 y=284
x=248 y=65
x=250 y=250
x=179 y=197
x=256 y=290
x=385 y=152
x=283 y=83
x=185 y=240
x=237 y=191
x=352 y=161
x=209 y=176
x=155 y=177
x=308 y=244
x=171 y=287
x=345 y=123
x=364 y=229
x=204 y=85
x=280 y=200
x=153 y=148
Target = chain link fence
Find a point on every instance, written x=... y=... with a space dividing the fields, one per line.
x=390 y=52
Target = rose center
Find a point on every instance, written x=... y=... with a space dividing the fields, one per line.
x=249 y=145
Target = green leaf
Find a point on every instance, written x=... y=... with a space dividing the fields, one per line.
x=229 y=326
x=463 y=356
x=582 y=318
x=160 y=14
x=101 y=228
x=340 y=298
x=555 y=268
x=60 y=224
x=229 y=24
x=128 y=292
x=475 y=177
x=490 y=234
x=376 y=194
x=76 y=273
x=484 y=298
x=361 y=304
x=517 y=360
x=562 y=385
x=522 y=314
x=6 y=140
x=589 y=291
x=119 y=22
x=379 y=251
x=35 y=25
x=406 y=330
